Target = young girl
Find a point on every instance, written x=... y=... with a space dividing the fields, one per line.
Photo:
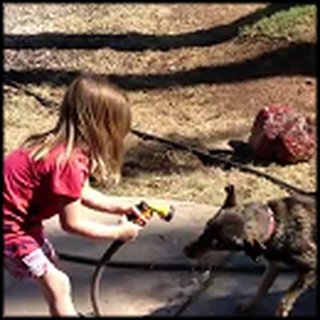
x=49 y=174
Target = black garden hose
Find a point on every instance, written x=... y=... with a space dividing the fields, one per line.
x=105 y=261
x=117 y=244
x=202 y=154
x=95 y=280
x=168 y=266
x=114 y=247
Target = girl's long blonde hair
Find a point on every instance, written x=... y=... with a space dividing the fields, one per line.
x=95 y=116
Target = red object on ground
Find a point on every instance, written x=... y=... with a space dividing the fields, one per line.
x=282 y=134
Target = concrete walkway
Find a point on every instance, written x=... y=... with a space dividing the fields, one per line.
x=153 y=292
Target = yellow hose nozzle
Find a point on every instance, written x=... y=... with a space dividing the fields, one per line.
x=164 y=212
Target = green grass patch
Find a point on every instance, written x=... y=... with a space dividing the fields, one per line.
x=295 y=24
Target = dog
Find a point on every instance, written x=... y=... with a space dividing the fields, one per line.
x=281 y=230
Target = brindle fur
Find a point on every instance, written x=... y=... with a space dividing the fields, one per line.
x=293 y=242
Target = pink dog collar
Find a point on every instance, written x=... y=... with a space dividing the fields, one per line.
x=272 y=223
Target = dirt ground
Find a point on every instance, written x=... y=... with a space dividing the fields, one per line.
x=188 y=78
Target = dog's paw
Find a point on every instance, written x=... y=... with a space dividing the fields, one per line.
x=282 y=310
x=245 y=306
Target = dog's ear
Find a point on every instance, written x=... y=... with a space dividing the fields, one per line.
x=230 y=200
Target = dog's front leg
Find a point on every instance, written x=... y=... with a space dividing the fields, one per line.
x=302 y=283
x=268 y=278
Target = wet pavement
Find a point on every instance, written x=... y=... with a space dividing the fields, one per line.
x=150 y=276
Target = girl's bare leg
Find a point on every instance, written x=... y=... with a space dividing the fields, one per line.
x=56 y=288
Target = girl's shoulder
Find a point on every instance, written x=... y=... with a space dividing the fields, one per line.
x=58 y=156
x=55 y=159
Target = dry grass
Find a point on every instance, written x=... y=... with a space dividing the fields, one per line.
x=202 y=114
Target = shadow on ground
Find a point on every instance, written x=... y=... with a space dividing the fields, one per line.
x=137 y=41
x=225 y=306
x=283 y=61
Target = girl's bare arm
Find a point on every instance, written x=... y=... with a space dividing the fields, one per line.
x=96 y=200
x=72 y=221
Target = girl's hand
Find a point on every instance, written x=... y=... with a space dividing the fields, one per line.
x=128 y=231
x=137 y=216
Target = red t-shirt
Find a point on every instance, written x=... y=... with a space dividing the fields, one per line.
x=32 y=188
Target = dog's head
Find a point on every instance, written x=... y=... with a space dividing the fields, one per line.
x=223 y=231
x=228 y=230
